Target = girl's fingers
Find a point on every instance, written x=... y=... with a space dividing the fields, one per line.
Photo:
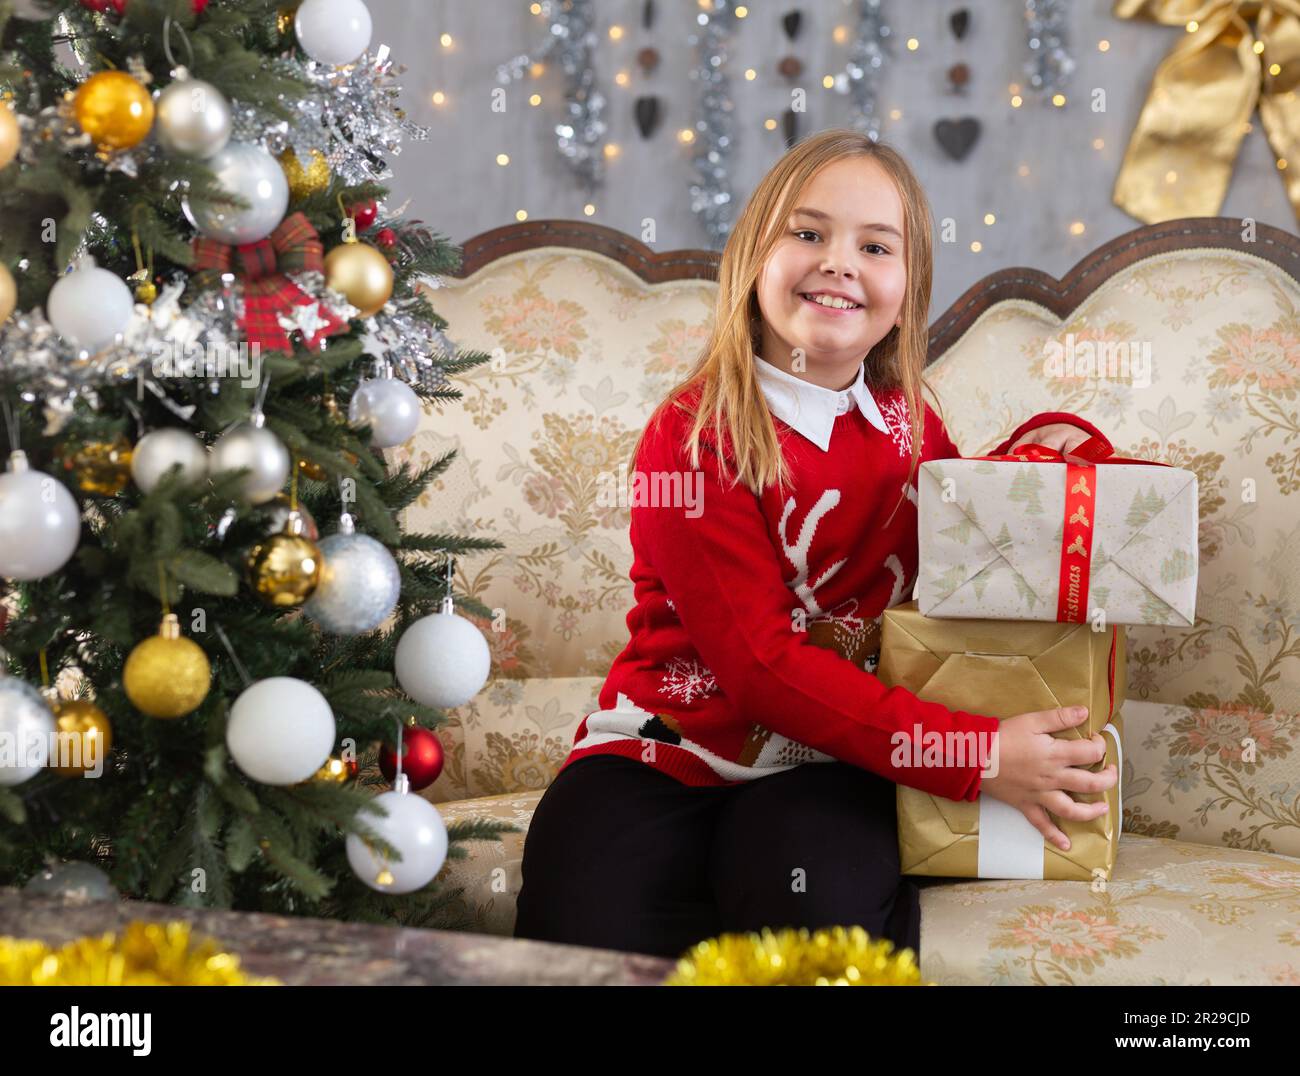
x=1063 y=806
x=1073 y=779
x=1082 y=752
x=1038 y=818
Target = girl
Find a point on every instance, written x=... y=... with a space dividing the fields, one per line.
x=738 y=774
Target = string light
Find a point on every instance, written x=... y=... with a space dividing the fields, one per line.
x=686 y=136
x=503 y=159
x=976 y=247
x=1077 y=228
x=535 y=100
x=1103 y=45
x=589 y=209
x=445 y=39
x=989 y=218
x=439 y=97
x=521 y=214
x=913 y=44
x=616 y=33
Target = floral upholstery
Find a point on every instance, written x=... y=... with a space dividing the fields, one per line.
x=1207 y=884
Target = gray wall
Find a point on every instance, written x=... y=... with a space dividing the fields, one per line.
x=454 y=183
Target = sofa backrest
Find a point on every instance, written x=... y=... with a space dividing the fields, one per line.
x=585 y=345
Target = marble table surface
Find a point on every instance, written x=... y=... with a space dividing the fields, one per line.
x=324 y=952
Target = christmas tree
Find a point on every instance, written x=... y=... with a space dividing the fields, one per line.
x=209 y=330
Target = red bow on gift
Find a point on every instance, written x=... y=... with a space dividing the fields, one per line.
x=263 y=268
x=1080 y=511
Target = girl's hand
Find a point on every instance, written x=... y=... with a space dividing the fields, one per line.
x=1060 y=436
x=1037 y=771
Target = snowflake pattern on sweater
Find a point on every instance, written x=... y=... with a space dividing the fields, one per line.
x=687 y=680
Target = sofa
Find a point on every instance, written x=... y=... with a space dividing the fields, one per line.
x=587 y=329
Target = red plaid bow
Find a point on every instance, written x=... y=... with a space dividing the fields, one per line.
x=263 y=268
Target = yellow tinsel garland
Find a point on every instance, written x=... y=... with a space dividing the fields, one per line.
x=836 y=956
x=146 y=954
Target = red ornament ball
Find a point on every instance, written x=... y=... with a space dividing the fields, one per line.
x=100 y=6
x=364 y=213
x=386 y=238
x=422 y=761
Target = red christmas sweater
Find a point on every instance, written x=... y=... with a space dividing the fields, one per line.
x=755 y=630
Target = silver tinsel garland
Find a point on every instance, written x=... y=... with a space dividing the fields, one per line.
x=351 y=115
x=1050 y=62
x=571 y=41
x=862 y=75
x=711 y=197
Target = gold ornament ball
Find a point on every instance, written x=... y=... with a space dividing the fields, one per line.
x=284 y=569
x=305 y=180
x=311 y=469
x=167 y=675
x=114 y=109
x=361 y=274
x=102 y=467
x=8 y=292
x=82 y=719
x=146 y=293
x=336 y=771
x=9 y=135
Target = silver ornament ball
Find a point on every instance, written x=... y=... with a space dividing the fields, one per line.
x=248 y=171
x=160 y=450
x=258 y=449
x=40 y=522
x=358 y=588
x=389 y=407
x=26 y=731
x=192 y=118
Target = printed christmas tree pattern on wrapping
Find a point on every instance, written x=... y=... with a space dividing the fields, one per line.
x=994 y=549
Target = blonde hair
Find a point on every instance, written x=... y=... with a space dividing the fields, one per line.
x=731 y=399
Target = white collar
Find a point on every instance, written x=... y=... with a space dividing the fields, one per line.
x=811 y=409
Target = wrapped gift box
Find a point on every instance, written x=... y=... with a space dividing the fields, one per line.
x=1000 y=669
x=1007 y=539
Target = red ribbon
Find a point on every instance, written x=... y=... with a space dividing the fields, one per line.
x=269 y=292
x=1080 y=514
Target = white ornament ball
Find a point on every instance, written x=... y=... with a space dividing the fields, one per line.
x=246 y=170
x=192 y=118
x=333 y=32
x=160 y=450
x=40 y=522
x=89 y=306
x=414 y=827
x=389 y=407
x=442 y=660
x=281 y=730
x=26 y=731
x=358 y=587
x=258 y=449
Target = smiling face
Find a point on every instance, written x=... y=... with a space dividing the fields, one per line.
x=844 y=239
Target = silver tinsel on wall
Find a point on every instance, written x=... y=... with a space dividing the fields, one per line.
x=571 y=41
x=1050 y=62
x=711 y=197
x=865 y=70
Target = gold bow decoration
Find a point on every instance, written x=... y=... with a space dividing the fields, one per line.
x=1180 y=158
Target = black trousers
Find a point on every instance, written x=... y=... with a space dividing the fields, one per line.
x=621 y=856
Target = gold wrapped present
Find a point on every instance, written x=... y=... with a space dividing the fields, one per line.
x=1001 y=668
